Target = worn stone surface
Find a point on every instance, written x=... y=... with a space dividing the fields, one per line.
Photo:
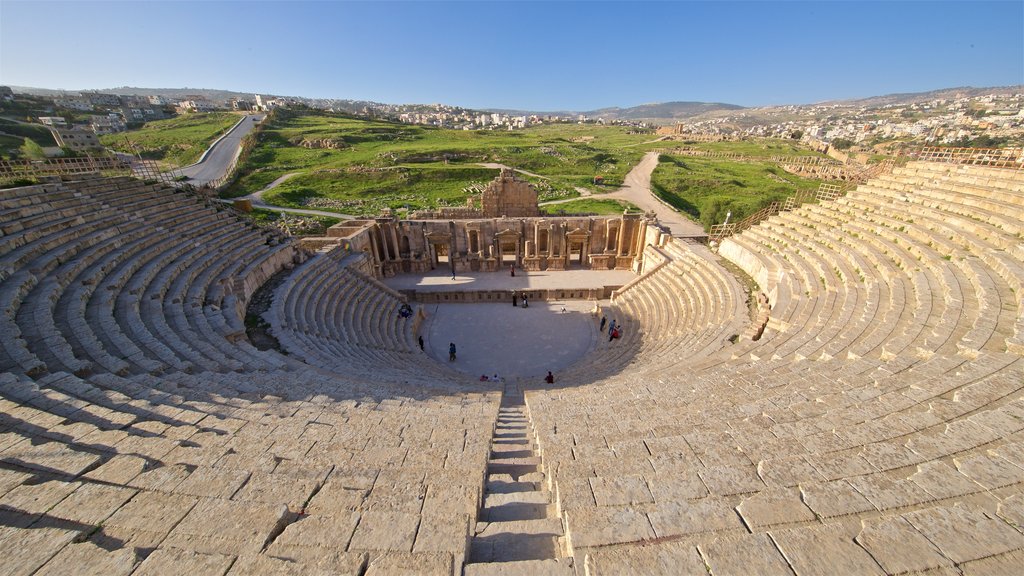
x=962 y=534
x=655 y=559
x=823 y=550
x=223 y=526
x=692 y=517
x=385 y=531
x=742 y=555
x=772 y=507
x=411 y=563
x=24 y=551
x=898 y=547
x=620 y=491
x=88 y=559
x=602 y=526
x=175 y=561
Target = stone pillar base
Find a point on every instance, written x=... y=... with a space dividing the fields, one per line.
x=624 y=263
x=556 y=264
x=534 y=264
x=601 y=262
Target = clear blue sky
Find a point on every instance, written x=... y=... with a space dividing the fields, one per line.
x=525 y=55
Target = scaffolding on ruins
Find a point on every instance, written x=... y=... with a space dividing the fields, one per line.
x=105 y=165
x=994 y=157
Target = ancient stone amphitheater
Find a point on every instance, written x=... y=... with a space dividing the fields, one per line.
x=875 y=424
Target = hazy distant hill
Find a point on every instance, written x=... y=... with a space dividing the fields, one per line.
x=207 y=93
x=944 y=93
x=656 y=111
x=663 y=110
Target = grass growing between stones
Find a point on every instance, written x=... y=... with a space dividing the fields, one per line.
x=176 y=141
x=293 y=224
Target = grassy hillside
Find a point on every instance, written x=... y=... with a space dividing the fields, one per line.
x=177 y=141
x=707 y=189
x=359 y=166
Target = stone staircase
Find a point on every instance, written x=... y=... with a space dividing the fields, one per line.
x=519 y=530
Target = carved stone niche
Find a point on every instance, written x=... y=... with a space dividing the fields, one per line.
x=507 y=243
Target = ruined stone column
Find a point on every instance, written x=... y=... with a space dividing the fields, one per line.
x=394 y=239
x=622 y=236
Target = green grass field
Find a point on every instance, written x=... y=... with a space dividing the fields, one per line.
x=176 y=141
x=422 y=167
x=589 y=206
x=707 y=189
x=760 y=147
x=36 y=132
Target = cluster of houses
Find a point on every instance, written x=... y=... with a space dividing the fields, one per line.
x=89 y=115
x=937 y=121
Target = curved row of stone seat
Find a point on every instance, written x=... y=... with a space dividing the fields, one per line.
x=252 y=462
x=334 y=317
x=146 y=239
x=722 y=456
x=882 y=411
x=684 y=307
x=973 y=306
x=196 y=469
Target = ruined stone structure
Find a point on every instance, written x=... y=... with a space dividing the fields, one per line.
x=491 y=244
x=509 y=196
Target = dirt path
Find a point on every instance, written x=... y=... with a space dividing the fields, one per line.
x=636 y=189
x=497 y=166
x=258 y=196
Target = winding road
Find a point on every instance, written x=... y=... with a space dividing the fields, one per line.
x=220 y=156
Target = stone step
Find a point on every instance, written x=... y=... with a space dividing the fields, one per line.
x=508 y=507
x=517 y=540
x=555 y=567
x=514 y=466
x=513 y=441
x=496 y=486
x=505 y=451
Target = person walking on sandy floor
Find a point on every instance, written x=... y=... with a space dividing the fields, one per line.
x=451 y=351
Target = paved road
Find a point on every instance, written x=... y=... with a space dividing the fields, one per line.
x=218 y=159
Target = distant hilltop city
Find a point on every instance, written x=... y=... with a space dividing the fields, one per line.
x=960 y=117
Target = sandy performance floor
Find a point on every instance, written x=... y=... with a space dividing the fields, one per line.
x=511 y=341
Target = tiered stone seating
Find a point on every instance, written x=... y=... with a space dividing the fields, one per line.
x=876 y=427
x=684 y=306
x=137 y=436
x=333 y=316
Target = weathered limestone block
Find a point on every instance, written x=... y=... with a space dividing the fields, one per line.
x=824 y=550
x=898 y=547
x=228 y=527
x=385 y=531
x=88 y=558
x=743 y=555
x=175 y=561
x=668 y=559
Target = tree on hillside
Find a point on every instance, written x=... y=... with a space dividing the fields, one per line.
x=31 y=150
x=842 y=143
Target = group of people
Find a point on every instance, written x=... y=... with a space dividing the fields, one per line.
x=515 y=300
x=614 y=330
